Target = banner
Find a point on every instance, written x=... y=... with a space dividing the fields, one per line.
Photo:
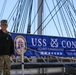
x=40 y=45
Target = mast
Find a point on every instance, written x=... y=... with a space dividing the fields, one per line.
x=40 y=5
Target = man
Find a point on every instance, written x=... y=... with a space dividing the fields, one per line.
x=6 y=48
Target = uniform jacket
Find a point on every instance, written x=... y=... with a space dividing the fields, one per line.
x=6 y=44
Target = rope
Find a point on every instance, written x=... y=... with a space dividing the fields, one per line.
x=36 y=13
x=64 y=19
x=48 y=16
x=50 y=54
x=52 y=18
x=12 y=12
x=57 y=18
x=69 y=16
x=3 y=8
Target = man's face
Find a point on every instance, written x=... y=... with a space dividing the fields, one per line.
x=4 y=26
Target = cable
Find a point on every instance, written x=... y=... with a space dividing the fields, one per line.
x=68 y=14
x=36 y=13
x=29 y=19
x=13 y=11
x=22 y=8
x=34 y=50
x=3 y=8
x=64 y=19
x=24 y=17
x=23 y=5
x=58 y=19
x=11 y=15
x=52 y=16
x=47 y=17
x=74 y=12
x=72 y=20
x=72 y=6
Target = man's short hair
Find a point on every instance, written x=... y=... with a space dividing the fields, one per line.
x=3 y=22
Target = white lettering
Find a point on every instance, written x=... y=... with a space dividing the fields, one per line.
x=44 y=42
x=73 y=44
x=34 y=41
x=39 y=42
x=68 y=43
x=63 y=44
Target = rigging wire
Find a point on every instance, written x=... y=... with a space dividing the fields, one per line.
x=72 y=20
x=24 y=17
x=36 y=13
x=13 y=11
x=46 y=18
x=69 y=17
x=20 y=15
x=3 y=8
x=52 y=16
x=74 y=12
x=11 y=15
x=64 y=19
x=72 y=6
x=72 y=3
x=73 y=17
x=29 y=19
x=68 y=27
x=23 y=6
x=57 y=18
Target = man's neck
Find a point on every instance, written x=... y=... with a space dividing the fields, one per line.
x=4 y=31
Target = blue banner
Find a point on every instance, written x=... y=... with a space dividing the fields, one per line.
x=39 y=45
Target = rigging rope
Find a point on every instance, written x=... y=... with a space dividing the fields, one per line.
x=29 y=19
x=64 y=19
x=34 y=50
x=66 y=7
x=12 y=12
x=57 y=18
x=46 y=17
x=11 y=15
x=3 y=8
x=52 y=16
x=36 y=13
x=24 y=16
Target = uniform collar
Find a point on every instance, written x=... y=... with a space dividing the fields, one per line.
x=3 y=32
